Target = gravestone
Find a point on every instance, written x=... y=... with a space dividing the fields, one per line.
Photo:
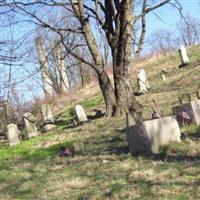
x=30 y=124
x=188 y=112
x=12 y=134
x=185 y=98
x=49 y=122
x=183 y=56
x=197 y=94
x=163 y=73
x=143 y=85
x=148 y=136
x=80 y=113
x=133 y=118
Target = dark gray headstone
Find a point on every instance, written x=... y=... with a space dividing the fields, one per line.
x=30 y=124
x=49 y=122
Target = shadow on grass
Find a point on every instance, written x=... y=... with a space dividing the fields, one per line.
x=97 y=115
x=72 y=122
x=175 y=158
x=195 y=136
x=22 y=187
x=107 y=144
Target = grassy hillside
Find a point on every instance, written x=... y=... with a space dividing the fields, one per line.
x=105 y=170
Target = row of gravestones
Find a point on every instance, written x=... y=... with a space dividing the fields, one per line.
x=143 y=85
x=142 y=136
x=146 y=137
x=30 y=123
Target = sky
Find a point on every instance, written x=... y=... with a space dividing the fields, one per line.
x=168 y=19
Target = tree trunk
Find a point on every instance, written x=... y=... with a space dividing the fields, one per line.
x=104 y=81
x=143 y=32
x=62 y=80
x=108 y=93
x=125 y=98
x=47 y=83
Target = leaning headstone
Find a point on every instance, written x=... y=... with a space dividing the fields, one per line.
x=49 y=122
x=143 y=85
x=183 y=56
x=188 y=112
x=147 y=137
x=12 y=134
x=30 y=124
x=80 y=113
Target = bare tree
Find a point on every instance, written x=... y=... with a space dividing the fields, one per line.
x=47 y=83
x=62 y=78
x=163 y=41
x=116 y=18
x=139 y=45
x=189 y=31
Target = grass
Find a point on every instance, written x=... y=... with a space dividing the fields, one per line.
x=105 y=170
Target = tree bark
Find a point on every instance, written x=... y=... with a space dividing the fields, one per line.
x=47 y=83
x=125 y=98
x=62 y=78
x=108 y=93
x=143 y=32
x=104 y=81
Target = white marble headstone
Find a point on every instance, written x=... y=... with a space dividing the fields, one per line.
x=183 y=55
x=80 y=113
x=12 y=134
x=143 y=85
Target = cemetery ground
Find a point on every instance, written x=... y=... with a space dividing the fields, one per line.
x=33 y=169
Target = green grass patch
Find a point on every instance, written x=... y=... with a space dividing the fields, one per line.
x=92 y=102
x=34 y=170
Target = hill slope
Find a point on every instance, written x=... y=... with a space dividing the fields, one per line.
x=105 y=170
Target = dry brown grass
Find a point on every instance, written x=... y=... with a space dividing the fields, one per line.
x=105 y=170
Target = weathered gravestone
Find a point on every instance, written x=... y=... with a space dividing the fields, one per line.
x=80 y=113
x=49 y=122
x=148 y=136
x=188 y=112
x=30 y=124
x=183 y=56
x=185 y=98
x=143 y=85
x=12 y=134
x=163 y=73
x=197 y=94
